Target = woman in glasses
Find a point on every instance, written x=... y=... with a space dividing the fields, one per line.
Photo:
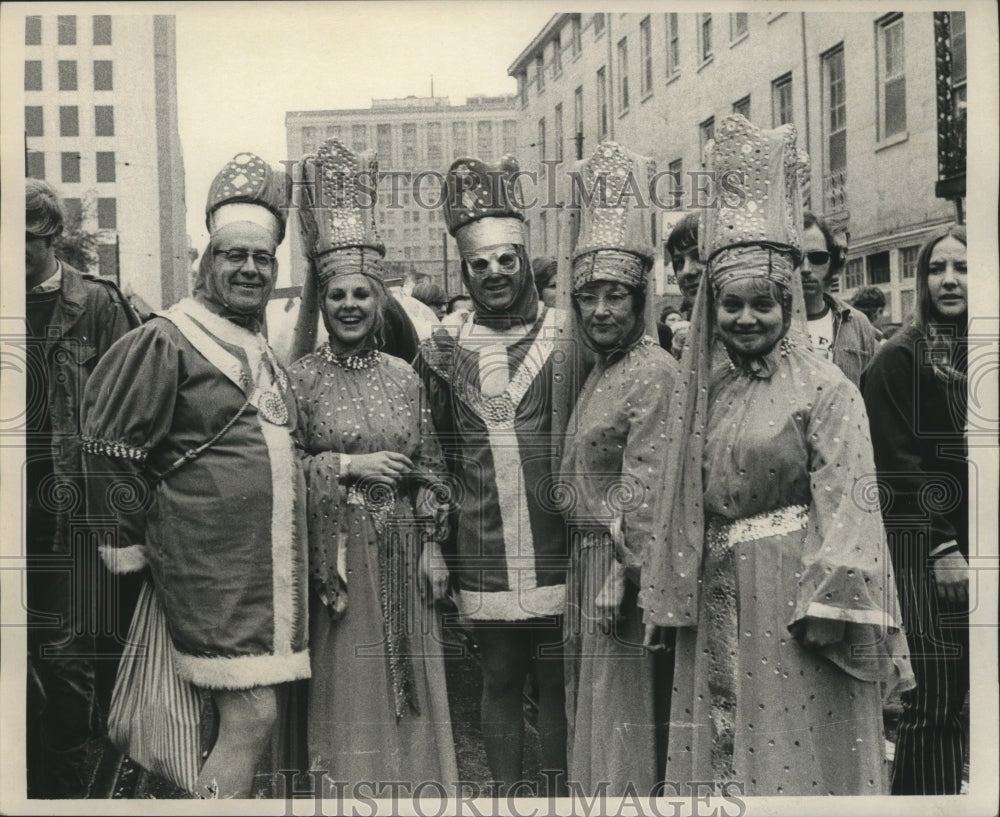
x=617 y=692
x=838 y=331
x=377 y=704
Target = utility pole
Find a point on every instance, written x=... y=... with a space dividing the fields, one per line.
x=444 y=247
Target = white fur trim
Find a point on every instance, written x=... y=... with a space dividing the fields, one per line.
x=129 y=559
x=245 y=211
x=878 y=617
x=243 y=671
x=491 y=231
x=512 y=605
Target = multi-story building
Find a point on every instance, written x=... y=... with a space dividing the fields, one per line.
x=100 y=120
x=859 y=87
x=416 y=139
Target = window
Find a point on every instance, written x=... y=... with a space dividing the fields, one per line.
x=359 y=138
x=510 y=136
x=892 y=78
x=541 y=139
x=705 y=36
x=105 y=166
x=781 y=100
x=602 y=105
x=104 y=120
x=598 y=24
x=67 y=75
x=556 y=55
x=70 y=167
x=333 y=131
x=107 y=214
x=383 y=142
x=878 y=267
x=706 y=133
x=834 y=131
x=460 y=139
x=107 y=261
x=576 y=45
x=540 y=72
x=36 y=164
x=676 y=169
x=908 y=261
x=69 y=120
x=409 y=145
x=309 y=144
x=742 y=106
x=33 y=30
x=67 y=29
x=435 y=153
x=738 y=25
x=906 y=302
x=484 y=140
x=558 y=125
x=673 y=45
x=645 y=57
x=623 y=74
x=32 y=75
x=74 y=212
x=959 y=68
x=522 y=87
x=34 y=122
x=102 y=29
x=854 y=273
x=103 y=79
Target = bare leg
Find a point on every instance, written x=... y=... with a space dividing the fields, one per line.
x=246 y=719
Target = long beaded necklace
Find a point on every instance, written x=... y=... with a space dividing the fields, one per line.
x=354 y=361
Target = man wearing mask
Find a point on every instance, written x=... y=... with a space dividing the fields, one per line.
x=489 y=382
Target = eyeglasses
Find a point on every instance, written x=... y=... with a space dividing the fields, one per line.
x=262 y=261
x=818 y=258
x=615 y=299
x=509 y=263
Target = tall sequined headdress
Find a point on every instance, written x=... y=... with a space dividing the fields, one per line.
x=249 y=189
x=337 y=212
x=614 y=240
x=482 y=203
x=755 y=228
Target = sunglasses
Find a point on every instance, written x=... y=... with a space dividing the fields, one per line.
x=818 y=258
x=480 y=264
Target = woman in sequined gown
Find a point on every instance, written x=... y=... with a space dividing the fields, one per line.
x=377 y=703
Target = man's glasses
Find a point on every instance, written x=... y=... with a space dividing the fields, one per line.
x=818 y=258
x=508 y=262
x=262 y=261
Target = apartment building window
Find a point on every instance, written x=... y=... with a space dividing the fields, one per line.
x=69 y=120
x=742 y=107
x=67 y=29
x=309 y=139
x=107 y=260
x=33 y=30
x=70 y=167
x=834 y=131
x=36 y=165
x=623 y=74
x=103 y=75
x=409 y=145
x=74 y=212
x=892 y=77
x=383 y=142
x=959 y=68
x=906 y=300
x=854 y=273
x=333 y=131
x=104 y=120
x=598 y=24
x=602 y=105
x=676 y=169
x=106 y=166
x=34 y=120
x=107 y=214
x=673 y=45
x=460 y=139
x=540 y=72
x=558 y=135
x=908 y=261
x=706 y=133
x=576 y=44
x=359 y=137
x=877 y=265
x=705 y=36
x=102 y=29
x=32 y=75
x=781 y=100
x=557 y=55
x=541 y=139
x=67 y=75
x=645 y=57
x=522 y=87
x=435 y=152
x=738 y=25
x=510 y=136
x=484 y=140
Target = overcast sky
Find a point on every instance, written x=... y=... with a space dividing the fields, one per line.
x=240 y=67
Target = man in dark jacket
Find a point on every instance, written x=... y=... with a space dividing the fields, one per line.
x=72 y=319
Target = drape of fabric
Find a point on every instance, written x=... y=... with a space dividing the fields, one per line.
x=610 y=464
x=377 y=706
